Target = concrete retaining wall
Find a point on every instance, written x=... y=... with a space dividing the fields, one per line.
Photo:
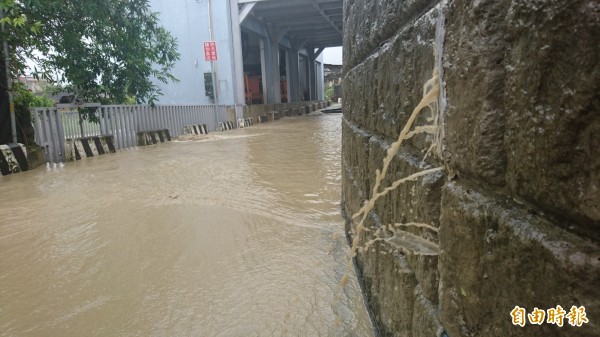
x=516 y=211
x=153 y=137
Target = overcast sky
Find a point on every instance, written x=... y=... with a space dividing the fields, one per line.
x=332 y=55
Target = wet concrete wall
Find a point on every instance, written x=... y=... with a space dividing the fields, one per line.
x=516 y=210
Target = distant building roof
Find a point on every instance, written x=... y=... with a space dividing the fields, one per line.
x=332 y=71
x=36 y=86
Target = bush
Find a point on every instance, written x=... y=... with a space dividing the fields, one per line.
x=329 y=93
x=26 y=99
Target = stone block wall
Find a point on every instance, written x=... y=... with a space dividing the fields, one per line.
x=516 y=211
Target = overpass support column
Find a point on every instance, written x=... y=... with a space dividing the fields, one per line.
x=274 y=77
x=294 y=69
x=236 y=18
x=294 y=76
x=312 y=55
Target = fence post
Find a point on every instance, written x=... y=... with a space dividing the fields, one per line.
x=100 y=116
x=216 y=118
x=80 y=123
x=47 y=138
x=36 y=118
x=55 y=138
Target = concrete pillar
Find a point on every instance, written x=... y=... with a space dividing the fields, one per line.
x=319 y=81
x=294 y=92
x=275 y=35
x=312 y=71
x=264 y=68
x=237 y=60
x=294 y=76
x=287 y=73
x=274 y=73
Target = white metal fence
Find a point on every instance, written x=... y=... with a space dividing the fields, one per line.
x=54 y=125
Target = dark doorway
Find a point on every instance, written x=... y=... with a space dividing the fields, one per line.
x=283 y=75
x=304 y=92
x=253 y=56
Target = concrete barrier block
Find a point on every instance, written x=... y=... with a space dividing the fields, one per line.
x=18 y=158
x=224 y=126
x=153 y=137
x=13 y=158
x=35 y=157
x=245 y=122
x=195 y=129
x=274 y=115
x=79 y=148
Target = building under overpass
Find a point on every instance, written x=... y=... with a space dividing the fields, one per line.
x=267 y=51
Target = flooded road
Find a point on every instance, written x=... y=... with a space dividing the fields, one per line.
x=239 y=235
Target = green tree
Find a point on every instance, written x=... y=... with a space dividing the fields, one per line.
x=101 y=50
x=108 y=51
x=329 y=92
x=25 y=99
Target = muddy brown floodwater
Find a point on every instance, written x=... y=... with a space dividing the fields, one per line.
x=237 y=235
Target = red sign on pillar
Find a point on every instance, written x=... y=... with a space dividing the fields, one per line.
x=210 y=51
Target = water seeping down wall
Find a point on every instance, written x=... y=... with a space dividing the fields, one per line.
x=512 y=219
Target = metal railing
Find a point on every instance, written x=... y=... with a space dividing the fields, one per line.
x=55 y=125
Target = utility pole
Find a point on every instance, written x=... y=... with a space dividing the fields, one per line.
x=213 y=66
x=9 y=86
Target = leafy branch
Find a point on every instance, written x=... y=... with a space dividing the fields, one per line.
x=106 y=51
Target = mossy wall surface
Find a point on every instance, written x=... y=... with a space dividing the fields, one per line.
x=518 y=206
